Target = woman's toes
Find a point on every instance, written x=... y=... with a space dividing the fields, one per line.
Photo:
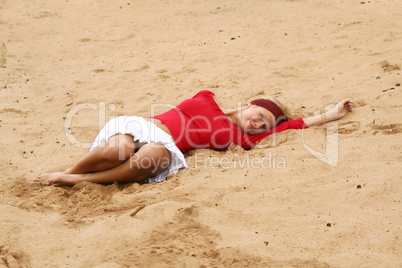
x=43 y=179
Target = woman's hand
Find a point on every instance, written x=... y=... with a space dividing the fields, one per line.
x=343 y=107
x=340 y=110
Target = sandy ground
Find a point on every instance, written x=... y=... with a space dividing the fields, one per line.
x=68 y=66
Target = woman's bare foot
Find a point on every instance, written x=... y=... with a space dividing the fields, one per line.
x=58 y=179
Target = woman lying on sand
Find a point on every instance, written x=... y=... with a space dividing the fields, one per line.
x=137 y=149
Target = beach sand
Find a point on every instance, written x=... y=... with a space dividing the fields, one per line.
x=328 y=196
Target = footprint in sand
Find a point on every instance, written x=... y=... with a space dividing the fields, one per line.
x=12 y=110
x=3 y=52
x=13 y=258
x=349 y=127
x=387 y=129
x=388 y=67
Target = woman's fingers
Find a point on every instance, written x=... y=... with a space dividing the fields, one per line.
x=348 y=104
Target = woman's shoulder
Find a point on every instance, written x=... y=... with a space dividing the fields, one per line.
x=204 y=93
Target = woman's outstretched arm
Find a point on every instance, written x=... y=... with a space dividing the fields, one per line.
x=341 y=109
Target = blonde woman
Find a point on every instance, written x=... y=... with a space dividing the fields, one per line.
x=137 y=149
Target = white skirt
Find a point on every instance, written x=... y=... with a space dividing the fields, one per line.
x=145 y=132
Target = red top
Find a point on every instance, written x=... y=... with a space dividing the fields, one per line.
x=199 y=123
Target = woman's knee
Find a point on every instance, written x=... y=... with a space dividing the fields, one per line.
x=152 y=158
x=119 y=148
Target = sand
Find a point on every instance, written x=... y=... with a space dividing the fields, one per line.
x=328 y=196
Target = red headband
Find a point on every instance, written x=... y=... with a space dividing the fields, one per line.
x=272 y=107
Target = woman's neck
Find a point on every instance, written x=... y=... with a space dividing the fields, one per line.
x=233 y=114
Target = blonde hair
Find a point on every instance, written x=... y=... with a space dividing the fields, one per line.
x=286 y=111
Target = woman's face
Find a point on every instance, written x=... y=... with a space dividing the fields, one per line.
x=255 y=119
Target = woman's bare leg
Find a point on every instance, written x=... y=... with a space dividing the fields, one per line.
x=148 y=161
x=110 y=154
